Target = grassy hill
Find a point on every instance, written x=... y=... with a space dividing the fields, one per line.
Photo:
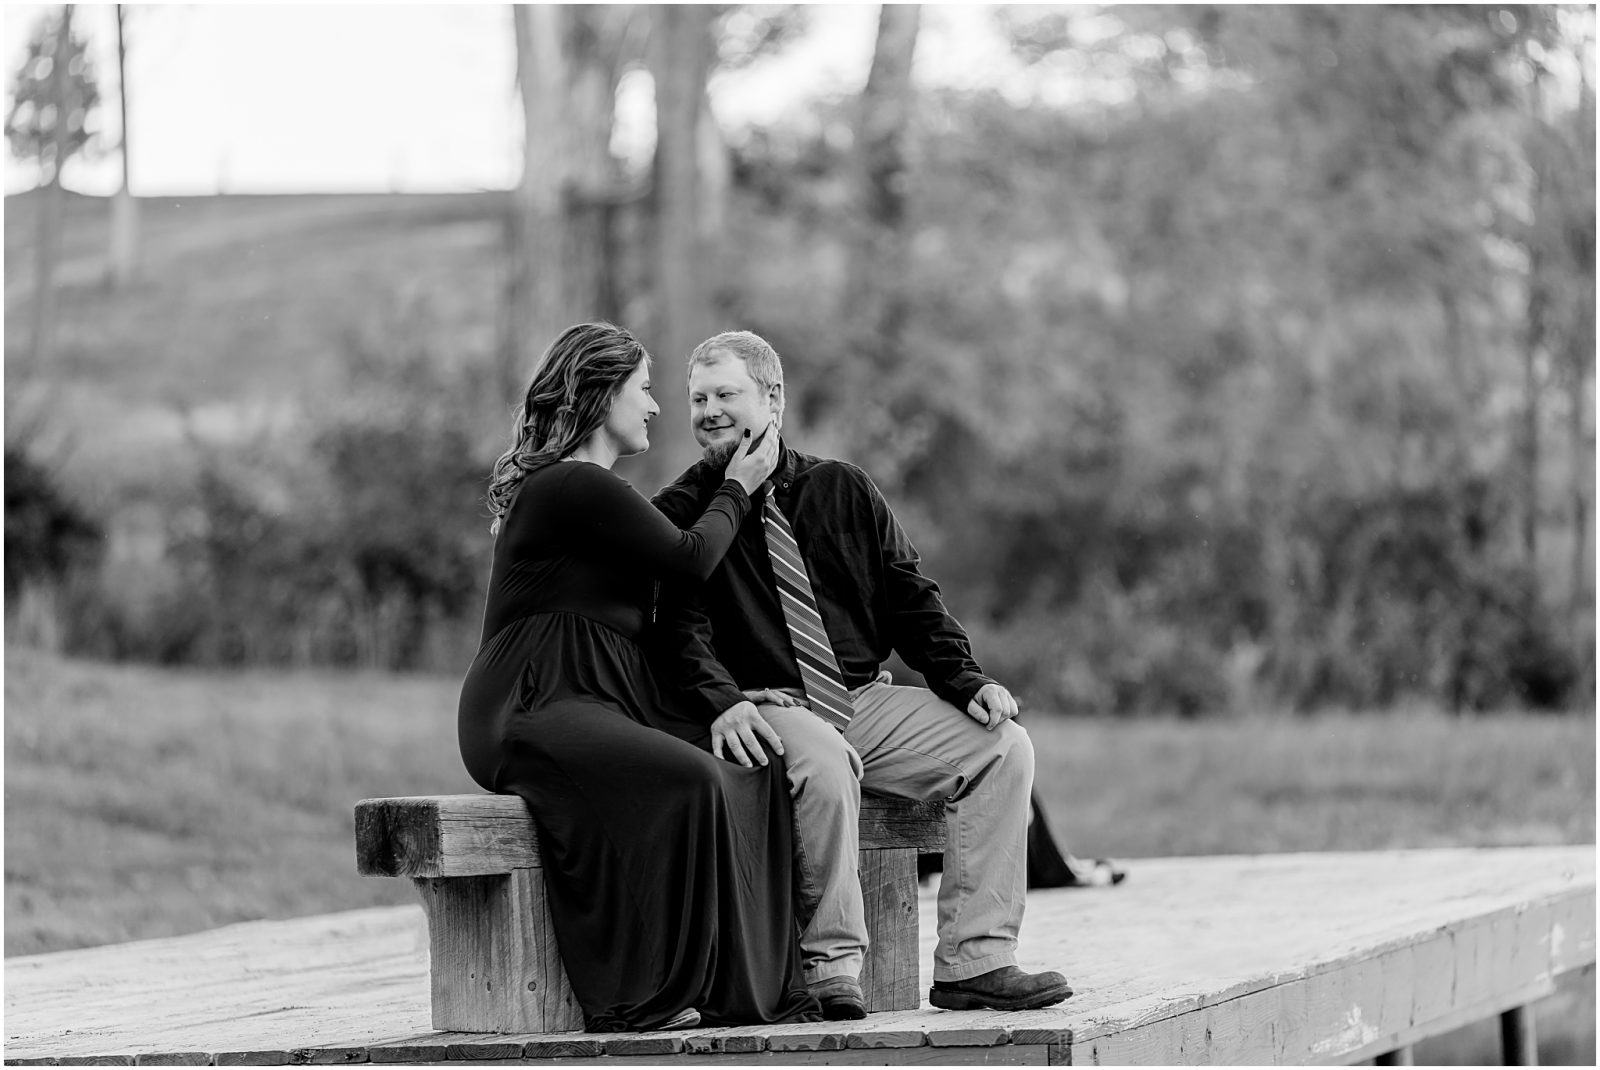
x=243 y=309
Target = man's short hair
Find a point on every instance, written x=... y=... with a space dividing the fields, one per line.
x=758 y=355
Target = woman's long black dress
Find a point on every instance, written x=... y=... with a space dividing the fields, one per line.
x=669 y=870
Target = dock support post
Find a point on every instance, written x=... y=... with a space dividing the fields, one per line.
x=1401 y=1056
x=1519 y=1040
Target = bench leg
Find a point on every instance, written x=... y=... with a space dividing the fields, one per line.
x=1519 y=1042
x=492 y=956
x=890 y=979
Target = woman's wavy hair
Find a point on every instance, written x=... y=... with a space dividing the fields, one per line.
x=568 y=400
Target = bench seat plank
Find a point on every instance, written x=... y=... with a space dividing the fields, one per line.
x=484 y=835
x=444 y=836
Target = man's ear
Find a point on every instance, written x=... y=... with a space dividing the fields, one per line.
x=775 y=397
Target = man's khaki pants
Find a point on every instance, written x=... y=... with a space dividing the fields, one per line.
x=907 y=742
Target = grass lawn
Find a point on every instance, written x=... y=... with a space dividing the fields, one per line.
x=142 y=802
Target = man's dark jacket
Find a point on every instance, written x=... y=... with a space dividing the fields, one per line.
x=730 y=634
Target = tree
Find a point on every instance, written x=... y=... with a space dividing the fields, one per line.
x=124 y=209
x=1560 y=238
x=568 y=61
x=680 y=59
x=56 y=94
x=876 y=284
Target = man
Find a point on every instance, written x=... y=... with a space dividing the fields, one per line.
x=781 y=648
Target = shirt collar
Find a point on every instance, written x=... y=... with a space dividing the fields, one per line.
x=784 y=472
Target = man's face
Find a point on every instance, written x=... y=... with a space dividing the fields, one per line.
x=723 y=401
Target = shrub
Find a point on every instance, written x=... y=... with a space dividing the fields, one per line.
x=47 y=534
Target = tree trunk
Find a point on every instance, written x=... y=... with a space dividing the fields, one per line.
x=51 y=207
x=124 y=210
x=1580 y=606
x=589 y=293
x=680 y=60
x=1580 y=348
x=1533 y=340
x=875 y=298
x=1536 y=333
x=559 y=214
x=716 y=174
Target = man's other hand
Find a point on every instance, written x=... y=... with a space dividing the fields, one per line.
x=991 y=706
x=737 y=729
x=771 y=696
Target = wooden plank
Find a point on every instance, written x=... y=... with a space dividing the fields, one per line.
x=250 y=1058
x=1041 y=1036
x=981 y=1037
x=707 y=1044
x=890 y=974
x=1463 y=1016
x=494 y=966
x=1359 y=1010
x=481 y=1050
x=573 y=1047
x=623 y=1044
x=483 y=835
x=406 y=1053
x=1004 y=1055
x=806 y=1042
x=444 y=836
x=888 y=822
x=890 y=1039
x=1572 y=932
x=332 y=1056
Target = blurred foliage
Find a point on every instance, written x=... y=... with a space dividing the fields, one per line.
x=1243 y=343
x=352 y=548
x=48 y=534
x=1221 y=331
x=746 y=33
x=31 y=126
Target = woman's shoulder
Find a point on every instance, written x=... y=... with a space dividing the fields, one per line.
x=560 y=478
x=570 y=477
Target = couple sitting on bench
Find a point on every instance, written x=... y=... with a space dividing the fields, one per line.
x=687 y=695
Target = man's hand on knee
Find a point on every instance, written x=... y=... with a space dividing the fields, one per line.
x=739 y=731
x=992 y=706
x=769 y=696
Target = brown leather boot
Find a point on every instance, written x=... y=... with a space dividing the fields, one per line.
x=1005 y=989
x=840 y=997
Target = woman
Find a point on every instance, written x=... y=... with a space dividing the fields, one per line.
x=668 y=870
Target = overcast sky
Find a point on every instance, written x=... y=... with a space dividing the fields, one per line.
x=376 y=97
x=281 y=98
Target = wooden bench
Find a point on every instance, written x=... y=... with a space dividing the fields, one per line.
x=493 y=961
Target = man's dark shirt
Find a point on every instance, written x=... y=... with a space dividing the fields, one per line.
x=729 y=633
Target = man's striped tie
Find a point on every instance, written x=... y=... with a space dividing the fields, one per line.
x=819 y=669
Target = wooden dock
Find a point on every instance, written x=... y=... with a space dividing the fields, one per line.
x=1302 y=958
